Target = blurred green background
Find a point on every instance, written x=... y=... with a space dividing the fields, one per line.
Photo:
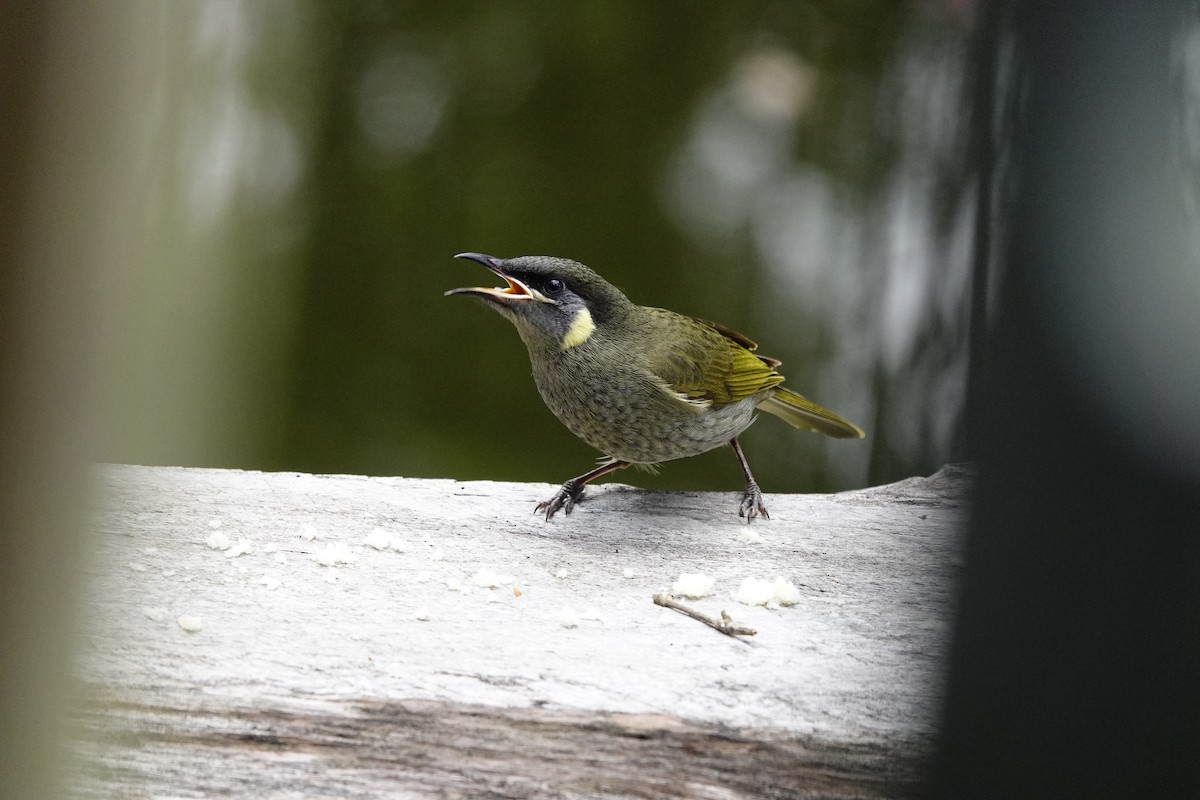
x=306 y=171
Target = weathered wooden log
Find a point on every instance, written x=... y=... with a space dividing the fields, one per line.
x=366 y=637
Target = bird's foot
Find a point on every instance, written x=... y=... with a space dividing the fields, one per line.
x=752 y=503
x=565 y=498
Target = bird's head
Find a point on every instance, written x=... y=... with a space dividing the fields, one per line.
x=553 y=302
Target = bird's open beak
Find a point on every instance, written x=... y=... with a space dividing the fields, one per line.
x=515 y=290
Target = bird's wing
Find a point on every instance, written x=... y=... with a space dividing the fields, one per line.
x=706 y=364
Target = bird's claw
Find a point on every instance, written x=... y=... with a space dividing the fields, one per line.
x=752 y=503
x=565 y=498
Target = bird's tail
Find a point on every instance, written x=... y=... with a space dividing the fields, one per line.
x=807 y=415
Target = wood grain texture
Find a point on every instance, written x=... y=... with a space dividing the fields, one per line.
x=396 y=675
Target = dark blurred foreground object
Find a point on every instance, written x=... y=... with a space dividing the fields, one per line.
x=1076 y=662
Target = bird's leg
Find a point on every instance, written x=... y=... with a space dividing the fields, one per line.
x=752 y=500
x=568 y=495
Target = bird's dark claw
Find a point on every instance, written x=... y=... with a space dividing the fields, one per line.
x=565 y=498
x=752 y=503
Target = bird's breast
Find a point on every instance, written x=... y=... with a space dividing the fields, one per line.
x=622 y=410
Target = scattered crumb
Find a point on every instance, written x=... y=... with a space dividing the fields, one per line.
x=772 y=594
x=190 y=623
x=693 y=585
x=169 y=573
x=149 y=550
x=454 y=584
x=137 y=567
x=750 y=536
x=627 y=573
x=270 y=581
x=214 y=523
x=487 y=579
x=334 y=553
x=308 y=533
x=786 y=592
x=378 y=539
x=517 y=591
x=421 y=614
x=562 y=573
x=218 y=541
x=157 y=613
x=567 y=617
x=755 y=592
x=242 y=548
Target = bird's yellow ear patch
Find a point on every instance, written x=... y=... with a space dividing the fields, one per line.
x=581 y=328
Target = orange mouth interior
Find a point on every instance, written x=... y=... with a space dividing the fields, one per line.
x=513 y=287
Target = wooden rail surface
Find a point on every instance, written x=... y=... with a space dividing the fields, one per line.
x=486 y=652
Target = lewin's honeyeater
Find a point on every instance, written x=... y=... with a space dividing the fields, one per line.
x=641 y=385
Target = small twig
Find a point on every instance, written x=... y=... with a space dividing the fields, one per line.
x=725 y=624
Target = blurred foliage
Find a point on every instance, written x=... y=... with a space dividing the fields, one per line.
x=752 y=163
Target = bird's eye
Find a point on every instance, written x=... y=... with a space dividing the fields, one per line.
x=554 y=286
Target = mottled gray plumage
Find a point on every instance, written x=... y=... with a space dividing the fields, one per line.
x=641 y=385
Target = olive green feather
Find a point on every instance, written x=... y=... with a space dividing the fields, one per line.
x=807 y=415
x=710 y=364
x=719 y=367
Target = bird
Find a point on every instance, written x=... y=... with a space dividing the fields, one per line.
x=642 y=385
